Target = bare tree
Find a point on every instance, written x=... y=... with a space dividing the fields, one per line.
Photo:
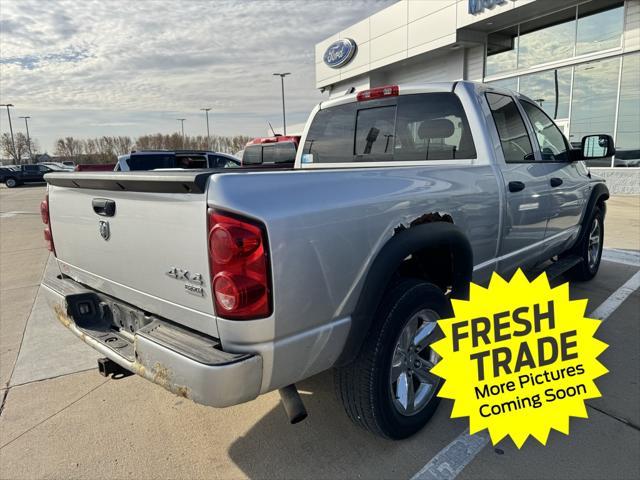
x=106 y=149
x=7 y=147
x=21 y=153
x=68 y=147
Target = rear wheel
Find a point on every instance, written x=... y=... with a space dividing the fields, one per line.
x=389 y=389
x=11 y=182
x=590 y=249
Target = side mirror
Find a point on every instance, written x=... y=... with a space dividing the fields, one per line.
x=597 y=147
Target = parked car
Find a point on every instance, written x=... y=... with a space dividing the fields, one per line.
x=94 y=167
x=58 y=166
x=180 y=159
x=221 y=286
x=16 y=175
x=276 y=151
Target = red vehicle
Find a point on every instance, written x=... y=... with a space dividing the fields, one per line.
x=274 y=151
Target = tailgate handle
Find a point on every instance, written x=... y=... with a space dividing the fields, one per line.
x=104 y=207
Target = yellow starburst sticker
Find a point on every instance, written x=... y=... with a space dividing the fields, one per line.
x=519 y=358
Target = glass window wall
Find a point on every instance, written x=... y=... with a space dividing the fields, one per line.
x=595 y=90
x=628 y=131
x=572 y=32
x=502 y=51
x=547 y=43
x=550 y=89
x=601 y=96
x=510 y=83
x=599 y=30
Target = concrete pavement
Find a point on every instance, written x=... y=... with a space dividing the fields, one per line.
x=59 y=420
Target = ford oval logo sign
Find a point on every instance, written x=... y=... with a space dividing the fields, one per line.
x=340 y=53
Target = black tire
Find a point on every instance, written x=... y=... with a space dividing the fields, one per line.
x=11 y=182
x=364 y=385
x=588 y=267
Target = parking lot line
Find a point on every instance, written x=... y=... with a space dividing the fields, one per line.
x=621 y=256
x=452 y=459
x=609 y=306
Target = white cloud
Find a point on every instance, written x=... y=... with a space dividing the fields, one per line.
x=131 y=67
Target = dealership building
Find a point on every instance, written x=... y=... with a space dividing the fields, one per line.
x=579 y=60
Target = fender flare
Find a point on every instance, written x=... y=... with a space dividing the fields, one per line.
x=599 y=194
x=386 y=263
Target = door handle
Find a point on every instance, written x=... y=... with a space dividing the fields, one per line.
x=516 y=186
x=104 y=207
x=555 y=182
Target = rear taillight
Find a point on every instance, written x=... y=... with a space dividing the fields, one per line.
x=46 y=219
x=379 y=92
x=239 y=262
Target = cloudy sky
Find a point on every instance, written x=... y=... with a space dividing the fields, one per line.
x=129 y=67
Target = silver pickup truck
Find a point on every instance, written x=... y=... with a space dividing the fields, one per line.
x=221 y=285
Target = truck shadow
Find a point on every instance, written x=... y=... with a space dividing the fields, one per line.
x=328 y=445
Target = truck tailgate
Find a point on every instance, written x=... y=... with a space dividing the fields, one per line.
x=151 y=252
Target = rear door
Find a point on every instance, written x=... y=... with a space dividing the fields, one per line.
x=31 y=173
x=526 y=186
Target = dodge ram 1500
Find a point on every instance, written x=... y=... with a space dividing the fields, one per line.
x=221 y=285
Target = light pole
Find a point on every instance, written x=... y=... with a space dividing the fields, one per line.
x=284 y=118
x=181 y=120
x=206 y=112
x=26 y=124
x=13 y=143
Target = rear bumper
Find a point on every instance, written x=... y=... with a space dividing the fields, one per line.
x=186 y=363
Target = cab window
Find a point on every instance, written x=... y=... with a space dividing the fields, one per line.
x=553 y=146
x=375 y=133
x=419 y=127
x=432 y=127
x=252 y=155
x=514 y=139
x=330 y=137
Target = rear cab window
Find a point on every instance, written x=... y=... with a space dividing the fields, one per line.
x=281 y=152
x=252 y=155
x=277 y=152
x=406 y=128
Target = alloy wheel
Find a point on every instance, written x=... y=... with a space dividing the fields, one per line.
x=593 y=249
x=411 y=381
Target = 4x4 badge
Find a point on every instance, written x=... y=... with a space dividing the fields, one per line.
x=105 y=232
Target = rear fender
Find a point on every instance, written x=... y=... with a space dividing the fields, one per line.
x=403 y=244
